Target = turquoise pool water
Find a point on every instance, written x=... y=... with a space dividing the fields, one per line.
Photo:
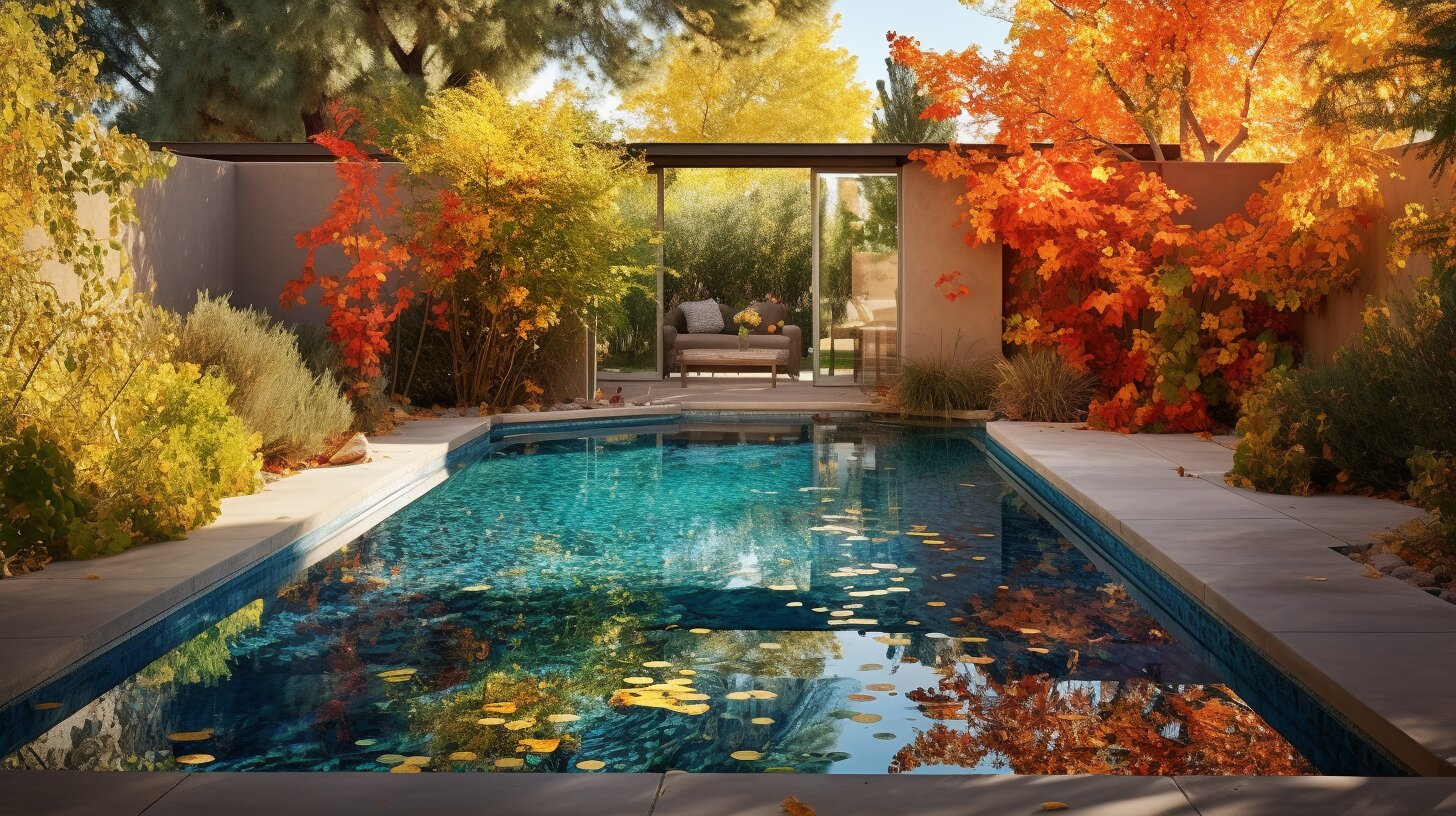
x=859 y=597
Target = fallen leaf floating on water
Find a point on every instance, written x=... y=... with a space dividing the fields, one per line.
x=195 y=759
x=783 y=587
x=405 y=769
x=540 y=746
x=519 y=725
x=562 y=718
x=979 y=661
x=1038 y=650
x=935 y=603
x=656 y=664
x=463 y=756
x=638 y=681
x=780 y=769
x=476 y=588
x=390 y=759
x=191 y=736
x=590 y=765
x=746 y=756
x=1027 y=631
x=397 y=675
x=762 y=721
x=699 y=631
x=499 y=708
x=509 y=762
x=791 y=806
x=45 y=706
x=491 y=721
x=866 y=718
x=862 y=698
x=365 y=743
x=880 y=687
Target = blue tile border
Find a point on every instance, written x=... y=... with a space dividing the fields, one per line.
x=1325 y=737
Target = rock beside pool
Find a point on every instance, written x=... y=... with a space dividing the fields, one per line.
x=1387 y=562
x=355 y=450
x=1420 y=579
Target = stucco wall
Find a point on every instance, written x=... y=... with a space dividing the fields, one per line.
x=1217 y=189
x=183 y=241
x=932 y=245
x=1336 y=322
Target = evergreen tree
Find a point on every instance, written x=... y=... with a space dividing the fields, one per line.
x=1411 y=89
x=260 y=69
x=901 y=104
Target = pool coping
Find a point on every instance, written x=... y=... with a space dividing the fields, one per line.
x=103 y=793
x=1378 y=652
x=56 y=619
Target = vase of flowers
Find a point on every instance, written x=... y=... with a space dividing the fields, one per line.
x=747 y=321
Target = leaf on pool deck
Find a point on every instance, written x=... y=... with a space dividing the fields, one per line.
x=590 y=765
x=540 y=746
x=463 y=756
x=193 y=736
x=746 y=756
x=563 y=718
x=195 y=759
x=499 y=708
x=866 y=718
x=509 y=762
x=1054 y=805
x=791 y=806
x=880 y=687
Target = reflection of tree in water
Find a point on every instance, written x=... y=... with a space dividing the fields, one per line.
x=126 y=728
x=1036 y=725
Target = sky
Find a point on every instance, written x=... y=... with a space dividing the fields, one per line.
x=940 y=25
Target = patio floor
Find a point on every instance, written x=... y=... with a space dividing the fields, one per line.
x=731 y=392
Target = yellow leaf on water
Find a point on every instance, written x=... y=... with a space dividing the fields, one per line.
x=656 y=664
x=866 y=718
x=760 y=694
x=540 y=746
x=390 y=759
x=770 y=646
x=195 y=759
x=405 y=769
x=191 y=736
x=1029 y=631
x=476 y=588
x=490 y=721
x=519 y=725
x=463 y=756
x=562 y=718
x=45 y=706
x=880 y=687
x=747 y=756
x=590 y=765
x=738 y=695
x=935 y=603
x=979 y=661
x=638 y=681
x=499 y=708
x=509 y=762
x=699 y=631
x=1038 y=650
x=762 y=721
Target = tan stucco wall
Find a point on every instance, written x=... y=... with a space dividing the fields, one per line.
x=1217 y=189
x=183 y=241
x=1338 y=320
x=933 y=246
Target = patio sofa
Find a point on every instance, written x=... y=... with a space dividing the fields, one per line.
x=676 y=337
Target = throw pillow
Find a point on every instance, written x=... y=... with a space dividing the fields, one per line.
x=703 y=316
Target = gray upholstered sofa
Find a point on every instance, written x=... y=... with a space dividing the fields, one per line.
x=676 y=338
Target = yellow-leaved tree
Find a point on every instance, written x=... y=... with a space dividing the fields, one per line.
x=104 y=442
x=704 y=93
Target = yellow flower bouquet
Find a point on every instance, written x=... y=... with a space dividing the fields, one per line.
x=747 y=320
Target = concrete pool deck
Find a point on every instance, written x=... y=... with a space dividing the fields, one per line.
x=80 y=793
x=1378 y=651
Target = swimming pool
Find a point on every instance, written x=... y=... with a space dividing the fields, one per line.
x=782 y=595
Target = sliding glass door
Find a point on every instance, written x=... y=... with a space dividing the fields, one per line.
x=856 y=277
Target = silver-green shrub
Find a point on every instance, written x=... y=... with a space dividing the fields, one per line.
x=294 y=410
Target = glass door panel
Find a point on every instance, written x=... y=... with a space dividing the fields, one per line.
x=856 y=278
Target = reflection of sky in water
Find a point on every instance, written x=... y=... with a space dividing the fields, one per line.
x=849 y=591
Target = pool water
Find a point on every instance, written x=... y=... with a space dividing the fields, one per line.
x=860 y=597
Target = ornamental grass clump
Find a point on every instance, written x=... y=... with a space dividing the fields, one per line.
x=1037 y=385
x=940 y=385
x=292 y=409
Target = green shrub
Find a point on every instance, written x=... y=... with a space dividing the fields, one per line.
x=293 y=409
x=1037 y=385
x=43 y=510
x=939 y=385
x=180 y=451
x=1358 y=421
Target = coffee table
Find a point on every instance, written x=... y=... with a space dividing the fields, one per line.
x=733 y=358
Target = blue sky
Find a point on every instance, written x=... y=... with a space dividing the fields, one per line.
x=938 y=24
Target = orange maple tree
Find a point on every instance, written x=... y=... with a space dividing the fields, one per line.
x=1176 y=322
x=364 y=301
